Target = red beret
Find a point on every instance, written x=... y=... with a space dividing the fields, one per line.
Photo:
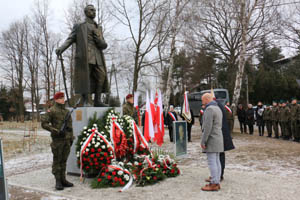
x=129 y=96
x=58 y=95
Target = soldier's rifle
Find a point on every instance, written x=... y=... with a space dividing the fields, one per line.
x=64 y=77
x=67 y=117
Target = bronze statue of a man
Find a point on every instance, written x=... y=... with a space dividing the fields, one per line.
x=90 y=74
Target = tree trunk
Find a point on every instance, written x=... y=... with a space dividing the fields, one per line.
x=241 y=65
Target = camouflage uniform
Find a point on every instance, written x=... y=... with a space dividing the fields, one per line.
x=61 y=142
x=275 y=120
x=130 y=110
x=281 y=116
x=267 y=117
x=285 y=120
x=295 y=113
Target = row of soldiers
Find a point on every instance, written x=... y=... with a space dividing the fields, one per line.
x=281 y=115
x=287 y=116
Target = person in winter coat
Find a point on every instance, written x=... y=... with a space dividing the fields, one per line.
x=212 y=140
x=227 y=139
x=250 y=120
x=241 y=113
x=201 y=114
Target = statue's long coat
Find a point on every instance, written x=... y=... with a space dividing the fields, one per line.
x=81 y=78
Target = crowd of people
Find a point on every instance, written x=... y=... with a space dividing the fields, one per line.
x=282 y=119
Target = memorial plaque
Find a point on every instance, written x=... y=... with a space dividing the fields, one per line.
x=78 y=115
x=180 y=137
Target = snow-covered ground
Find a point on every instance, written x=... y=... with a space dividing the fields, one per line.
x=259 y=168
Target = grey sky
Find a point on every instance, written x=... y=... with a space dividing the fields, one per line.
x=12 y=10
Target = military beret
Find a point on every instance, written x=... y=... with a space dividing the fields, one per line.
x=58 y=95
x=294 y=98
x=129 y=96
x=268 y=105
x=281 y=101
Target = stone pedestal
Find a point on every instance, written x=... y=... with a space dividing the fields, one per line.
x=80 y=118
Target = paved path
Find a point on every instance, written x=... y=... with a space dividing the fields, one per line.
x=237 y=186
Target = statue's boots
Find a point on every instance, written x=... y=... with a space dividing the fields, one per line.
x=97 y=101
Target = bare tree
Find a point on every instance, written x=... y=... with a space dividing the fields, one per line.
x=176 y=21
x=13 y=48
x=233 y=28
x=48 y=44
x=142 y=34
x=32 y=60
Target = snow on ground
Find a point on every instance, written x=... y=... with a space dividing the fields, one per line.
x=29 y=163
x=259 y=168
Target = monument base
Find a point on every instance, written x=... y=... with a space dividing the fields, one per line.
x=80 y=118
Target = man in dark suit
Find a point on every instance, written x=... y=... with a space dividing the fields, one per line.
x=171 y=117
x=90 y=74
x=189 y=125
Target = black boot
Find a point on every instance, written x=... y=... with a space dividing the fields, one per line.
x=58 y=185
x=66 y=183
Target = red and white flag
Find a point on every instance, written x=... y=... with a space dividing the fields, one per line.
x=148 y=130
x=159 y=120
x=228 y=108
x=186 y=113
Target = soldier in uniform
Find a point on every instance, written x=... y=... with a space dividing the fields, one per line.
x=229 y=117
x=129 y=109
x=295 y=113
x=280 y=111
x=285 y=116
x=267 y=117
x=275 y=118
x=90 y=74
x=61 y=141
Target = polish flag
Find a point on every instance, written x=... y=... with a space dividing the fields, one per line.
x=159 y=116
x=149 y=130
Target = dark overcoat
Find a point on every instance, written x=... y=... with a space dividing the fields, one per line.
x=82 y=73
x=228 y=143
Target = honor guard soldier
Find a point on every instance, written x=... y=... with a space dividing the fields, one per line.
x=62 y=140
x=295 y=114
x=129 y=109
x=285 y=116
x=275 y=118
x=267 y=117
